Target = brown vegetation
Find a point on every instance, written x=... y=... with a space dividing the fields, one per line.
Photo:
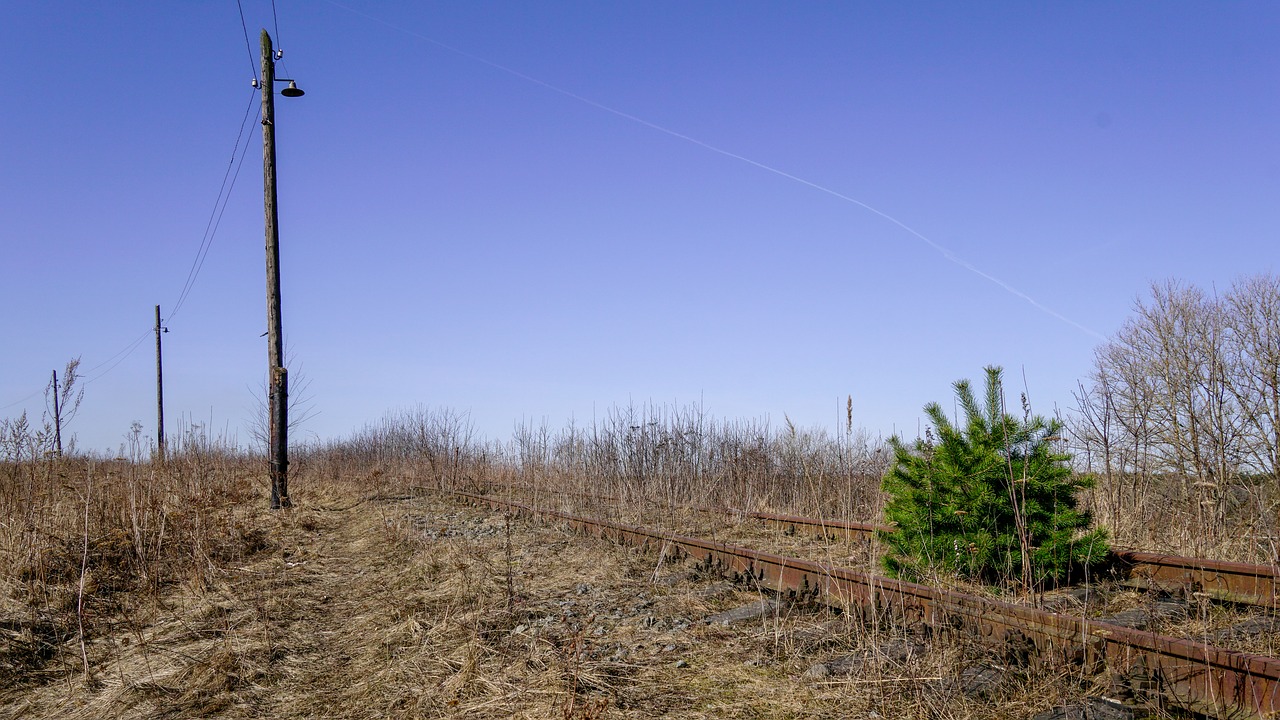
x=367 y=601
x=137 y=589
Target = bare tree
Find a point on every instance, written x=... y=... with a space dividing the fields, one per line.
x=1182 y=404
x=1253 y=362
x=65 y=397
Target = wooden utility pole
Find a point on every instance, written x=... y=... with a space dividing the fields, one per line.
x=159 y=393
x=57 y=419
x=277 y=375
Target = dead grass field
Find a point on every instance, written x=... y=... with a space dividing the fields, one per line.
x=367 y=601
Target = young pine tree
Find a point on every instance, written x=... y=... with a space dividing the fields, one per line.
x=990 y=501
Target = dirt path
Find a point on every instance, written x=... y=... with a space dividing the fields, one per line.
x=417 y=607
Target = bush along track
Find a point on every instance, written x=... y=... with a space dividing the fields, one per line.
x=990 y=501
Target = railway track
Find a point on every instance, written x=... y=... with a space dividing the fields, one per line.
x=1164 y=670
x=1219 y=580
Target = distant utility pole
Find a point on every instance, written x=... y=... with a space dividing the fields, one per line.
x=277 y=375
x=57 y=418
x=159 y=391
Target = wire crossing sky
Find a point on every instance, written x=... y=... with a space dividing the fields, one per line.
x=452 y=236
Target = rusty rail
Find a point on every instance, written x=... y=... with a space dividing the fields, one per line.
x=1203 y=678
x=1221 y=580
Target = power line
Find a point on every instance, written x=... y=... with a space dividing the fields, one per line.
x=122 y=351
x=219 y=207
x=229 y=177
x=210 y=232
x=253 y=67
x=113 y=361
x=19 y=402
x=279 y=44
x=122 y=355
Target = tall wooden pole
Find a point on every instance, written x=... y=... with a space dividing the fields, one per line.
x=159 y=393
x=277 y=376
x=57 y=418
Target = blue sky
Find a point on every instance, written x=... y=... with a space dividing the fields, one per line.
x=541 y=210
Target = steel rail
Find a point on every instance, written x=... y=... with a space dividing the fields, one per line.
x=1196 y=676
x=1220 y=580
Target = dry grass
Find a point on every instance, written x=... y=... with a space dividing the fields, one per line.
x=368 y=602
x=134 y=590
x=90 y=549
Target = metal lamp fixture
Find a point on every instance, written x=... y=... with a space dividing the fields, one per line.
x=292 y=91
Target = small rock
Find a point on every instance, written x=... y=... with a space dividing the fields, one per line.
x=1089 y=709
x=817 y=671
x=1071 y=599
x=845 y=665
x=1252 y=627
x=682 y=663
x=1141 y=618
x=900 y=650
x=519 y=629
x=716 y=590
x=976 y=681
x=674 y=579
x=754 y=611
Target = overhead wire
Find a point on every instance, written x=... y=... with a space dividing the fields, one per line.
x=119 y=358
x=944 y=251
x=20 y=401
x=219 y=207
x=253 y=66
x=210 y=232
x=229 y=177
x=275 y=22
x=110 y=363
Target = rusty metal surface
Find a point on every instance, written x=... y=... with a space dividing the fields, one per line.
x=1219 y=579
x=797 y=523
x=1207 y=679
x=1222 y=580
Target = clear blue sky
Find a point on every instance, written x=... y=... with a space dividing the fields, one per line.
x=510 y=208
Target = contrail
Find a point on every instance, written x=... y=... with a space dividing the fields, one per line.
x=946 y=253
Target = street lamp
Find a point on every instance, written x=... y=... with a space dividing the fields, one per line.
x=277 y=375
